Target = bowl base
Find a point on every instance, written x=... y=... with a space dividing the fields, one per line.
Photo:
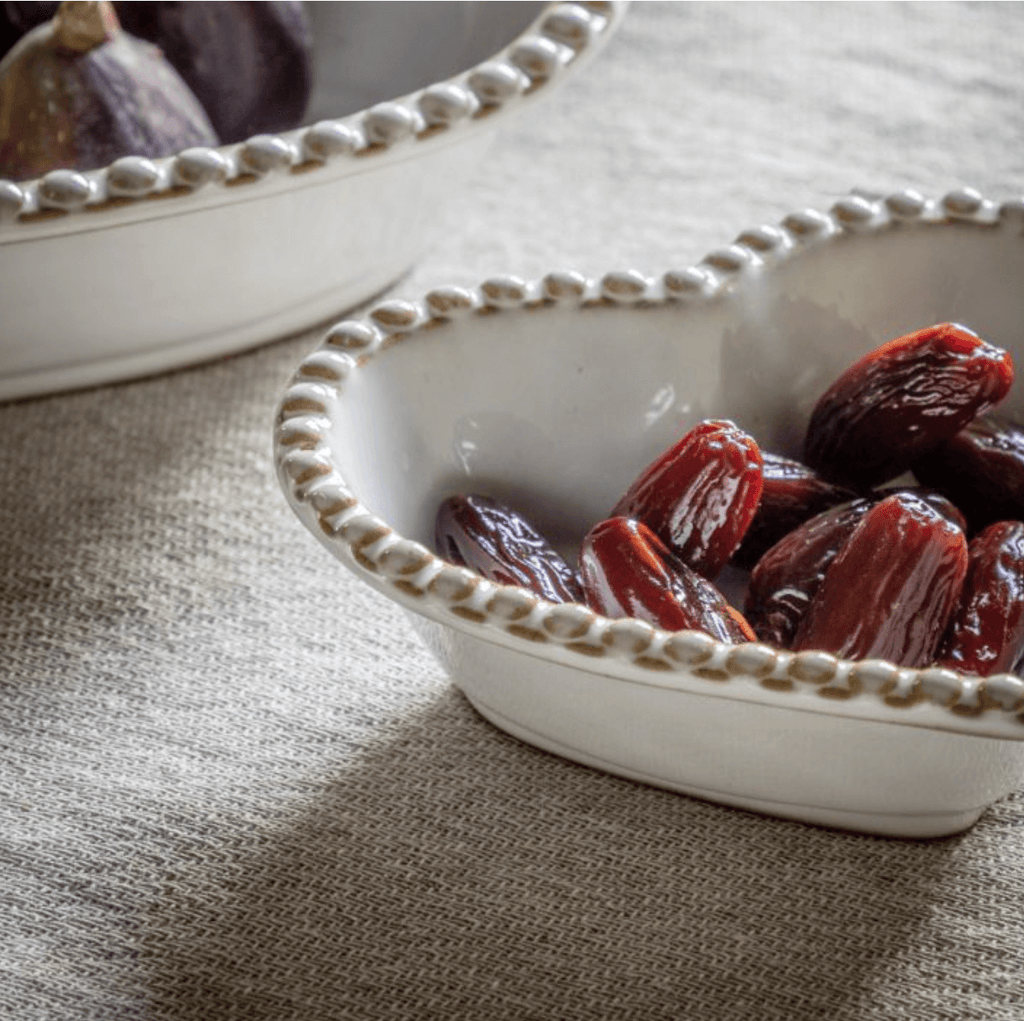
x=908 y=825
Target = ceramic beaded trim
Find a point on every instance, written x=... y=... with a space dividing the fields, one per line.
x=467 y=599
x=556 y=41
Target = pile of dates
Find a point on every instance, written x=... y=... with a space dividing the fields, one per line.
x=85 y=82
x=843 y=557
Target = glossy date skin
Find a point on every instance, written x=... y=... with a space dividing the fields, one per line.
x=903 y=400
x=788 y=576
x=791 y=494
x=935 y=499
x=500 y=544
x=981 y=470
x=986 y=632
x=700 y=495
x=628 y=572
x=838 y=564
x=890 y=591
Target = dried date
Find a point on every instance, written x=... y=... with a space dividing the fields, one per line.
x=700 y=495
x=788 y=576
x=500 y=544
x=981 y=470
x=791 y=494
x=628 y=572
x=903 y=400
x=942 y=504
x=838 y=564
x=891 y=589
x=986 y=633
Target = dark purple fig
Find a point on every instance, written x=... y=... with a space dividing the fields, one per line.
x=78 y=93
x=249 y=64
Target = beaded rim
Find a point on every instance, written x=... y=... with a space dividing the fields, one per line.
x=417 y=577
x=556 y=41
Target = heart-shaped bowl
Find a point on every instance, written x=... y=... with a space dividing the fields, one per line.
x=148 y=264
x=553 y=395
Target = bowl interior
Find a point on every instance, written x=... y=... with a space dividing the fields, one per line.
x=557 y=408
x=367 y=53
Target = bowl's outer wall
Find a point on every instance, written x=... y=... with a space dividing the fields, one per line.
x=286 y=259
x=793 y=762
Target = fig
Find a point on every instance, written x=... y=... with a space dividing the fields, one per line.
x=249 y=64
x=78 y=92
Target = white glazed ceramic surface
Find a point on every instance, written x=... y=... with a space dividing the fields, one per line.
x=148 y=264
x=553 y=395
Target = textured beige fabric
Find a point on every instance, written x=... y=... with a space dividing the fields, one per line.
x=233 y=785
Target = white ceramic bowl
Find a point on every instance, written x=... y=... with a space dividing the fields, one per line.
x=148 y=264
x=553 y=396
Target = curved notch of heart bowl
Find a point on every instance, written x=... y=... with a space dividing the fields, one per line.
x=152 y=263
x=552 y=395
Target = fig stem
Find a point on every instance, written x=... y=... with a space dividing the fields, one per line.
x=81 y=25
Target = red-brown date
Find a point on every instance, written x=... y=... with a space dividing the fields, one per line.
x=700 y=495
x=628 y=572
x=786 y=578
x=791 y=494
x=986 y=632
x=500 y=544
x=902 y=401
x=944 y=506
x=891 y=589
x=981 y=470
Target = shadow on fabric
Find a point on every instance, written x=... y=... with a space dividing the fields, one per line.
x=512 y=884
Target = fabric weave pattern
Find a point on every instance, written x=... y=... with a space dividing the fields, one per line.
x=233 y=784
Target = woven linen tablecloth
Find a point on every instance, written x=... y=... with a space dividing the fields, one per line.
x=234 y=785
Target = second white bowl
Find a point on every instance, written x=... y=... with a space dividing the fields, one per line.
x=148 y=264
